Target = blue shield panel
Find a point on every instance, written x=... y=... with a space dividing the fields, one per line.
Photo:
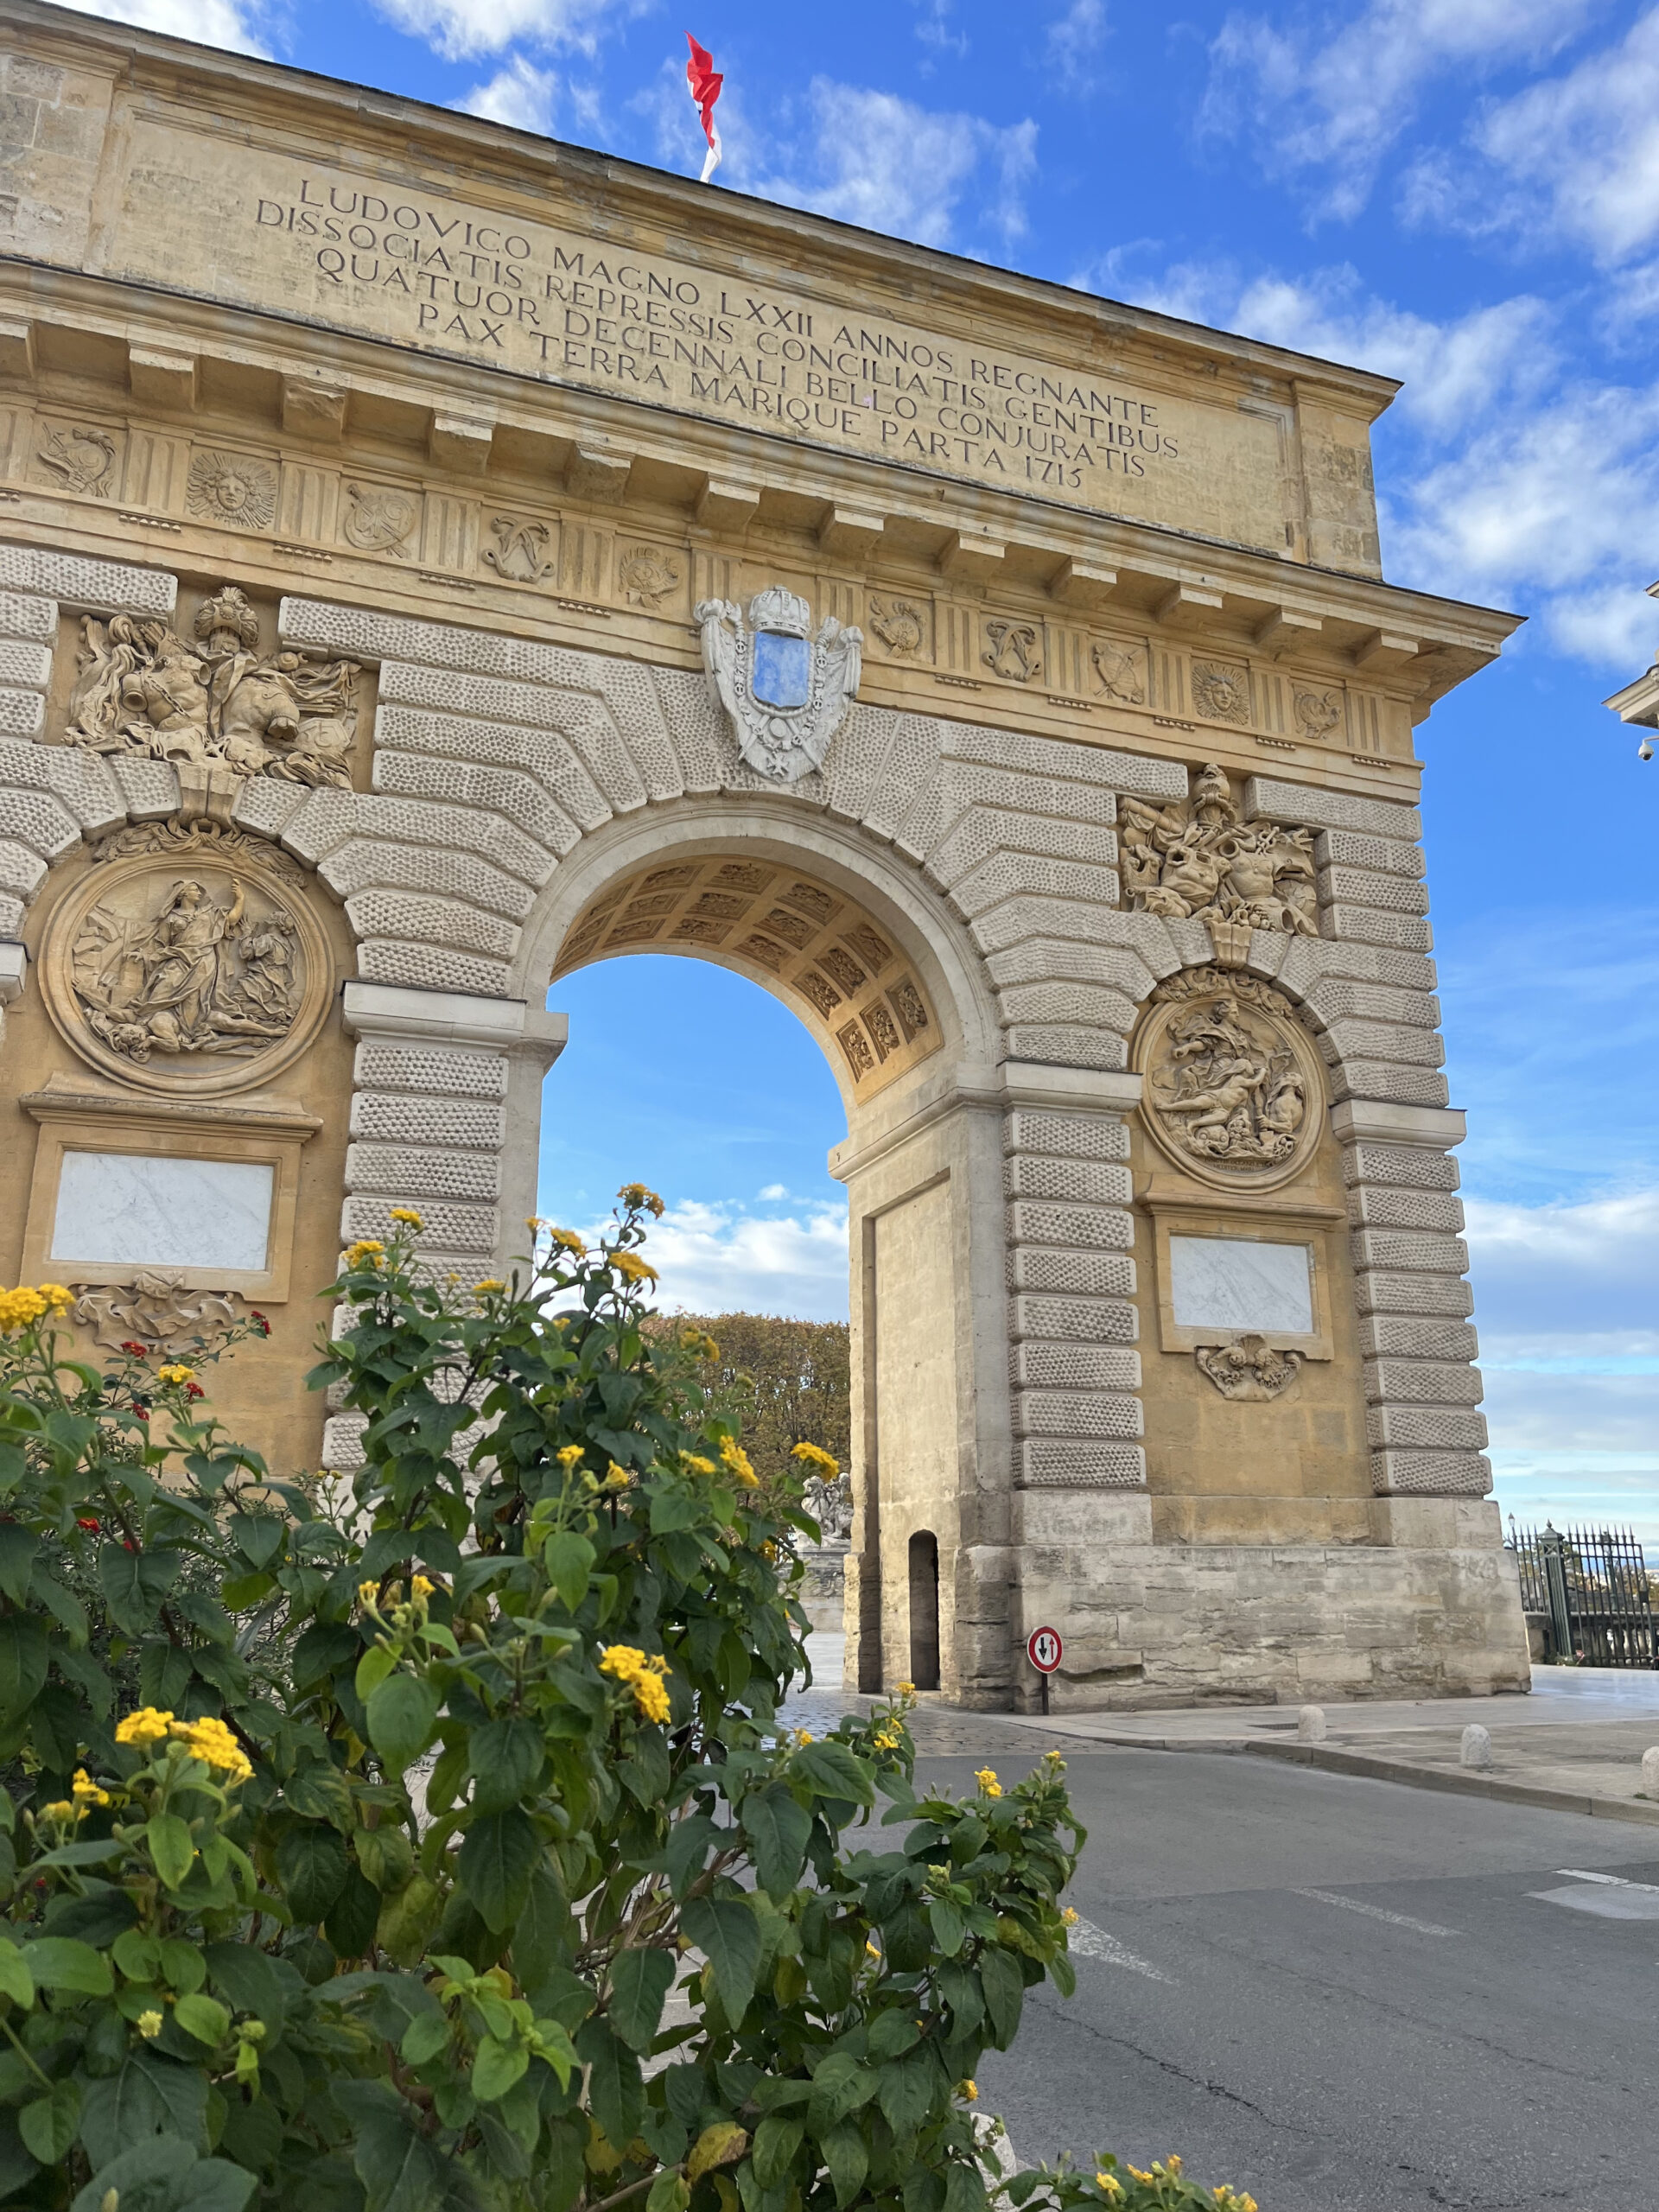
x=782 y=669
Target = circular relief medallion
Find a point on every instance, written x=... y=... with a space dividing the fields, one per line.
x=1234 y=1087
x=201 y=972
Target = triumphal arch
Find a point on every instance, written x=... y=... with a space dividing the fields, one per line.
x=432 y=559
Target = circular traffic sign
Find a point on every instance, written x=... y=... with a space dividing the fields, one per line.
x=1045 y=1650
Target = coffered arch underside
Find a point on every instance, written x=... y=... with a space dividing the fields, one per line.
x=498 y=760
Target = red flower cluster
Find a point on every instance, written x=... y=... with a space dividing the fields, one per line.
x=195 y=1391
x=261 y=1324
x=139 y=1352
x=92 y=1527
x=143 y=1412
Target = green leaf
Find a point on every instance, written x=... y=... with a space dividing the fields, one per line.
x=17 y=1550
x=959 y=1986
x=402 y=1713
x=496 y=2068
x=257 y=1536
x=726 y=1931
x=847 y=2159
x=568 y=1560
x=204 y=2017
x=778 y=1826
x=135 y=1584
x=496 y=1856
x=670 y=2192
x=426 y=2036
x=892 y=2033
x=311 y=1866
x=1005 y=1991
x=59 y=1962
x=386 y=1856
x=561 y=2167
x=506 y=1757
x=395 y=2163
x=615 y=2095
x=377 y=1665
x=163 y=1675
x=249 y=1980
x=149 y=2095
x=539 y=1932
x=777 y=2140
x=350 y=1921
x=171 y=1847
x=639 y=1982
x=720 y=2144
x=320 y=1792
x=16 y=1979
x=23 y=1654
x=964 y=2191
x=150 y=2174
x=830 y=1771
x=904 y=2093
x=50 y=2124
x=949 y=1930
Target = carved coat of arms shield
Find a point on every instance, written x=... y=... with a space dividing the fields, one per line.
x=786 y=691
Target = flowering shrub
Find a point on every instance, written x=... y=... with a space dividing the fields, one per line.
x=450 y=1857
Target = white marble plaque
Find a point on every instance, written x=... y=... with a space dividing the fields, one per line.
x=127 y=1210
x=1233 y=1282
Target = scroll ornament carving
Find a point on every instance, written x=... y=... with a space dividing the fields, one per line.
x=1014 y=652
x=216 y=702
x=518 y=550
x=378 y=519
x=1196 y=859
x=1232 y=1082
x=786 y=691
x=156 y=1309
x=1248 y=1368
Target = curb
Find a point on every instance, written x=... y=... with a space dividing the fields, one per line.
x=1453 y=1782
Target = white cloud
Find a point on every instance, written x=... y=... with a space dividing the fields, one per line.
x=1517 y=482
x=1074 y=39
x=520 y=95
x=1329 y=95
x=460 y=29
x=723 y=1259
x=209 y=22
x=888 y=164
x=934 y=28
x=1577 y=156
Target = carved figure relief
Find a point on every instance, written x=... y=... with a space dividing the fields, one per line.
x=231 y=487
x=1233 y=1084
x=1248 y=1368
x=898 y=623
x=378 y=520
x=1195 y=859
x=1015 y=651
x=218 y=701
x=647 y=577
x=786 y=691
x=1317 y=713
x=201 y=970
x=517 y=552
x=156 y=1308
x=81 y=460
x=1123 y=673
x=1221 y=691
x=830 y=1504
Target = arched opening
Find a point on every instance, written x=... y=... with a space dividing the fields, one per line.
x=924 y=1609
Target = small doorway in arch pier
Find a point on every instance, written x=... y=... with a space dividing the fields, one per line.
x=924 y=1609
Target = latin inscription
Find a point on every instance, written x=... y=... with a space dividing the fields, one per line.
x=401 y=263
x=592 y=317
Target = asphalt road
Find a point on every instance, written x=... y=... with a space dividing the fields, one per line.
x=1342 y=1995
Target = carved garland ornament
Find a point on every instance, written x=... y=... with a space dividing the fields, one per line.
x=1248 y=1368
x=1196 y=859
x=157 y=1309
x=1233 y=1084
x=218 y=702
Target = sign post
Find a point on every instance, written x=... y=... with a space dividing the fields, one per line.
x=1044 y=1650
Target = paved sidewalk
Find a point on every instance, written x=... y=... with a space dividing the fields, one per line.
x=1574 y=1746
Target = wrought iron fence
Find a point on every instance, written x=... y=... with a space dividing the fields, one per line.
x=1591 y=1588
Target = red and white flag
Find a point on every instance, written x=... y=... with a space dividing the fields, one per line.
x=703 y=82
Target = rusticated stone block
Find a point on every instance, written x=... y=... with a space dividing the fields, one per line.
x=1069 y=1137
x=1106 y=1229
x=1403 y=1248
x=1431 y=1474
x=1093 y=1182
x=1412 y=1165
x=1430 y=1428
x=1377 y=1292
x=449 y=1071
x=1414 y=1336
x=1076 y=1414
x=1387 y=1206
x=1082 y=1320
x=1042 y=1462
x=403 y=1170
x=1073 y=1367
x=1429 y=1382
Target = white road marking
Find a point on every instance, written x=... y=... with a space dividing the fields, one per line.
x=1377 y=1912
x=1613 y=1881
x=1092 y=1942
x=1606 y=1900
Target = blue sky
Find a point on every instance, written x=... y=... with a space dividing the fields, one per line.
x=1464 y=193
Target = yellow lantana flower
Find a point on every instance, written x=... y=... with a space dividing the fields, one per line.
x=175 y=1372
x=212 y=1741
x=367 y=1252
x=986 y=1778
x=814 y=1455
x=148 y=2025
x=625 y=1662
x=695 y=1464
x=632 y=1269
x=408 y=1215
x=58 y=1296
x=1108 y=2184
x=568 y=1454
x=969 y=2090
x=144 y=1727
x=87 y=1792
x=490 y=1284
x=639 y=1200
x=19 y=1307
x=60 y=1810
x=735 y=1459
